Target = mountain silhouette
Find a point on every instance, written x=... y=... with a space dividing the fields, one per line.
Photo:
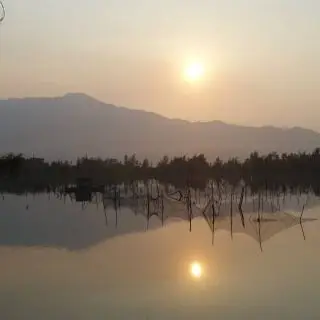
x=76 y=124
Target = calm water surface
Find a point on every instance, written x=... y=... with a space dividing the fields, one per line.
x=61 y=261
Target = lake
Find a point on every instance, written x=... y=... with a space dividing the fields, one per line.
x=64 y=260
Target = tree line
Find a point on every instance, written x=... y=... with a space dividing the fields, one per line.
x=297 y=172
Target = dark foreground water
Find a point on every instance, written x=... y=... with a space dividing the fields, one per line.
x=59 y=260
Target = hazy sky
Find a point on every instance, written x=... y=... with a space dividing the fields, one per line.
x=261 y=57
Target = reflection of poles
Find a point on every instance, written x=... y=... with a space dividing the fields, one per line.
x=213 y=211
x=301 y=224
x=2 y=12
x=240 y=206
x=302 y=230
x=260 y=241
x=213 y=218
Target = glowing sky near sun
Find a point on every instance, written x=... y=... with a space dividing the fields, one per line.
x=259 y=57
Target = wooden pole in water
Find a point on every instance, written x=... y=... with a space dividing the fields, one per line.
x=148 y=207
x=116 y=217
x=231 y=215
x=105 y=212
x=119 y=198
x=259 y=203
x=189 y=208
x=245 y=195
x=97 y=204
x=260 y=241
x=302 y=212
x=162 y=207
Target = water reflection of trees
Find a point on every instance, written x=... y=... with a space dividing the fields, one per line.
x=64 y=223
x=187 y=187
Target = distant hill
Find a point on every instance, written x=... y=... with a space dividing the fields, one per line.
x=76 y=124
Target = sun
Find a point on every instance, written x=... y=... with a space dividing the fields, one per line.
x=196 y=270
x=194 y=72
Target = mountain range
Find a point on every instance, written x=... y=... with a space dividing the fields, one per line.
x=76 y=124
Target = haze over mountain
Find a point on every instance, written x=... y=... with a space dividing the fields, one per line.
x=76 y=124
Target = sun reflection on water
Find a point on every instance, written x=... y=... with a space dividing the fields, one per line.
x=196 y=270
